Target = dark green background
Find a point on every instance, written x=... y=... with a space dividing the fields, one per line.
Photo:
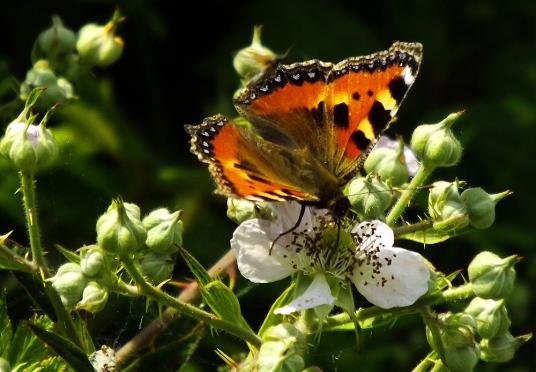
x=125 y=136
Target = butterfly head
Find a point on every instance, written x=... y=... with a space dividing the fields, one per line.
x=339 y=206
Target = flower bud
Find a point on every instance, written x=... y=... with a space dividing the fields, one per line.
x=255 y=58
x=369 y=196
x=164 y=229
x=491 y=316
x=4 y=365
x=445 y=205
x=58 y=90
x=30 y=147
x=120 y=229
x=156 y=267
x=501 y=349
x=281 y=350
x=389 y=163
x=492 y=276
x=92 y=260
x=481 y=206
x=461 y=352
x=240 y=210
x=436 y=145
x=54 y=41
x=98 y=45
x=69 y=282
x=94 y=298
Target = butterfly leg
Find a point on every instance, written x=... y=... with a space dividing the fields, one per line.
x=300 y=217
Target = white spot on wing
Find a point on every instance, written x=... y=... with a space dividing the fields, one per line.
x=408 y=76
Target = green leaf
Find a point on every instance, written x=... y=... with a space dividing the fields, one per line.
x=52 y=364
x=6 y=332
x=430 y=236
x=34 y=288
x=196 y=268
x=69 y=255
x=71 y=353
x=171 y=356
x=273 y=319
x=223 y=302
x=26 y=348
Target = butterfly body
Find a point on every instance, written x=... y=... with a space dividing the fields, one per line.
x=308 y=127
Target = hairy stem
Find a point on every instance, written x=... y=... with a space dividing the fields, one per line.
x=25 y=265
x=185 y=308
x=402 y=202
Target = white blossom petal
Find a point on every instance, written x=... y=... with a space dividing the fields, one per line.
x=318 y=293
x=372 y=235
x=252 y=244
x=400 y=279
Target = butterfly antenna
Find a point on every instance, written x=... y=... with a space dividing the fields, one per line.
x=300 y=217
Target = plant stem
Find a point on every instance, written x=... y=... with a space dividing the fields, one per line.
x=185 y=308
x=406 y=229
x=448 y=295
x=30 y=212
x=407 y=194
x=38 y=258
x=425 y=363
x=152 y=330
x=24 y=264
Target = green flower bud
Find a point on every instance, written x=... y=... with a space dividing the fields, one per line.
x=369 y=196
x=92 y=260
x=98 y=45
x=4 y=365
x=436 y=145
x=69 y=282
x=120 y=229
x=491 y=316
x=281 y=350
x=501 y=349
x=28 y=146
x=254 y=59
x=461 y=352
x=240 y=210
x=164 y=229
x=54 y=41
x=492 y=276
x=389 y=164
x=94 y=298
x=156 y=267
x=481 y=206
x=445 y=205
x=58 y=90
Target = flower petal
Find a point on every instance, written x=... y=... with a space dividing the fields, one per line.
x=252 y=244
x=318 y=293
x=373 y=235
x=397 y=278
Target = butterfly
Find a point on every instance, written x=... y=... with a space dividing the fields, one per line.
x=305 y=129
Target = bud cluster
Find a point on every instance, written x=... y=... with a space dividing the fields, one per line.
x=59 y=54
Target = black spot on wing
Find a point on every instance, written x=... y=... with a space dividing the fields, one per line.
x=379 y=117
x=356 y=96
x=318 y=113
x=257 y=178
x=360 y=140
x=398 y=88
x=340 y=115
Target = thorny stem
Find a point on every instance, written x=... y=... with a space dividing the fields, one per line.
x=30 y=213
x=185 y=308
x=151 y=331
x=452 y=294
x=24 y=263
x=38 y=258
x=402 y=202
x=406 y=229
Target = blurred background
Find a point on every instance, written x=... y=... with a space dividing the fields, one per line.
x=125 y=136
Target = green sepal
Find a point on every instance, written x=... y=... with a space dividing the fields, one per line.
x=69 y=255
x=71 y=353
x=431 y=235
x=274 y=319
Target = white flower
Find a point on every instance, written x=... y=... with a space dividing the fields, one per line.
x=385 y=275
